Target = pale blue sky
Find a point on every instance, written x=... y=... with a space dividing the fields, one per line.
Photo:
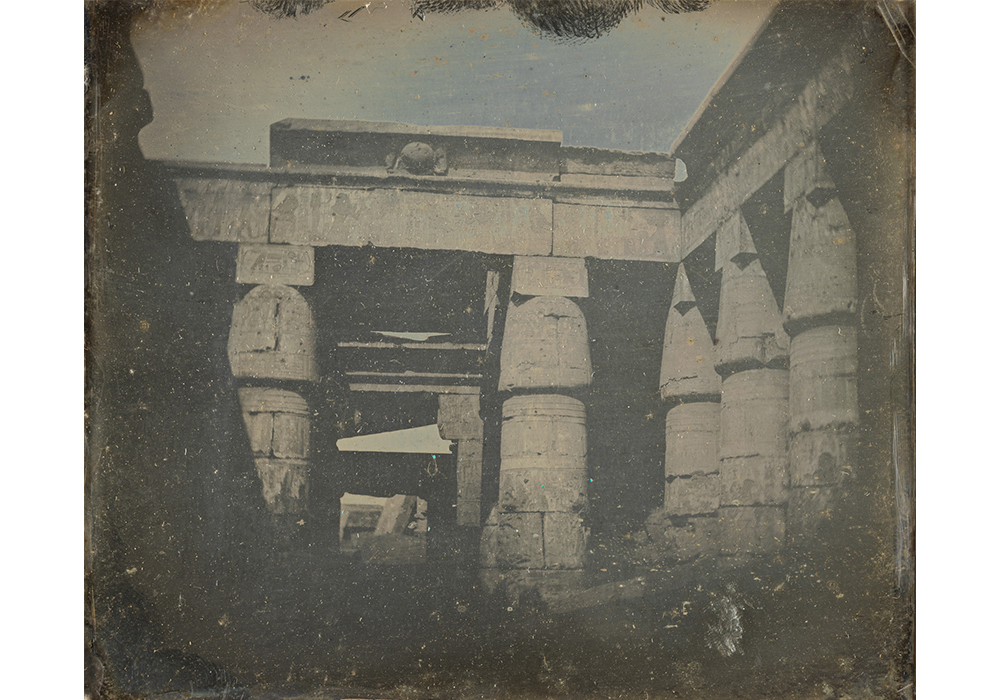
x=218 y=81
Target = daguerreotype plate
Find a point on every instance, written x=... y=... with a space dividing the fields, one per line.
x=500 y=349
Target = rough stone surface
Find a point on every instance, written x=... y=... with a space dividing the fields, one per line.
x=543 y=490
x=754 y=414
x=823 y=385
x=697 y=536
x=520 y=543
x=565 y=538
x=273 y=336
x=822 y=457
x=458 y=417
x=277 y=421
x=550 y=276
x=258 y=263
x=687 y=369
x=308 y=215
x=545 y=346
x=284 y=483
x=821 y=285
x=747 y=481
x=618 y=233
x=226 y=210
x=396 y=513
x=749 y=332
x=751 y=529
x=691 y=495
x=692 y=439
x=805 y=173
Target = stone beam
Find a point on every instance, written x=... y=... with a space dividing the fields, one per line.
x=821 y=99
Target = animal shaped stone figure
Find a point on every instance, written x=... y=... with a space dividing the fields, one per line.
x=419 y=158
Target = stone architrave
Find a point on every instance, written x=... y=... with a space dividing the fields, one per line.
x=273 y=336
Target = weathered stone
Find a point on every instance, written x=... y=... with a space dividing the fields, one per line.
x=751 y=529
x=747 y=481
x=821 y=285
x=804 y=174
x=823 y=384
x=691 y=495
x=260 y=427
x=309 y=215
x=822 y=97
x=226 y=210
x=291 y=436
x=619 y=233
x=284 y=483
x=469 y=478
x=274 y=264
x=601 y=161
x=692 y=439
x=519 y=541
x=489 y=540
x=687 y=369
x=549 y=276
x=548 y=490
x=749 y=333
x=822 y=457
x=754 y=415
x=277 y=421
x=272 y=335
x=458 y=416
x=565 y=539
x=809 y=510
x=545 y=346
x=545 y=431
x=734 y=243
x=698 y=535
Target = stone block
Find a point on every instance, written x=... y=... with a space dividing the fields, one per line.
x=545 y=346
x=804 y=173
x=543 y=490
x=458 y=416
x=467 y=512
x=753 y=418
x=745 y=481
x=545 y=431
x=565 y=541
x=396 y=514
x=822 y=457
x=284 y=484
x=469 y=480
x=751 y=529
x=310 y=215
x=600 y=161
x=823 y=384
x=692 y=439
x=691 y=495
x=617 y=233
x=520 y=543
x=260 y=430
x=226 y=210
x=291 y=436
x=550 y=276
x=258 y=263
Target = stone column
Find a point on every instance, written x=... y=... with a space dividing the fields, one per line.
x=691 y=388
x=458 y=419
x=272 y=340
x=821 y=316
x=751 y=356
x=535 y=537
